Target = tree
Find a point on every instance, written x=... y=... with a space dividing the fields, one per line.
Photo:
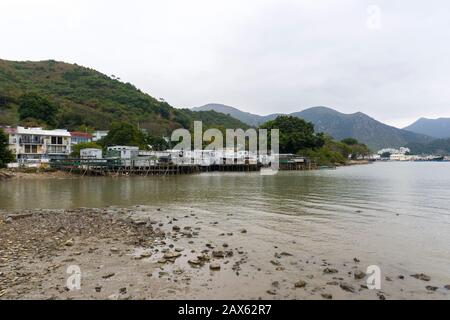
x=84 y=145
x=124 y=134
x=34 y=106
x=356 y=148
x=6 y=155
x=295 y=134
x=350 y=141
x=156 y=143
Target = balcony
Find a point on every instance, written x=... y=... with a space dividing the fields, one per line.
x=57 y=149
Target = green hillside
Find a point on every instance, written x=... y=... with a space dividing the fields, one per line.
x=85 y=97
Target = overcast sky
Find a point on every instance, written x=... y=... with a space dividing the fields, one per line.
x=391 y=60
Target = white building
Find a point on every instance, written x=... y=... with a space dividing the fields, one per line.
x=39 y=145
x=124 y=152
x=98 y=135
x=91 y=153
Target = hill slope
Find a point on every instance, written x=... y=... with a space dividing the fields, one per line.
x=437 y=128
x=340 y=126
x=246 y=117
x=87 y=97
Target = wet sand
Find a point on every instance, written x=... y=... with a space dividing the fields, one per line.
x=165 y=253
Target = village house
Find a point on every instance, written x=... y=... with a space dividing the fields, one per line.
x=80 y=137
x=36 y=145
x=98 y=135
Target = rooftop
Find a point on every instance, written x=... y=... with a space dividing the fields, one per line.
x=42 y=132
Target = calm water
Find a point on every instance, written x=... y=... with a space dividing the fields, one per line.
x=393 y=214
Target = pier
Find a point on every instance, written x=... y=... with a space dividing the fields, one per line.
x=120 y=167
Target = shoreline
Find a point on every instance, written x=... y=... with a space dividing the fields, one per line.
x=14 y=174
x=160 y=253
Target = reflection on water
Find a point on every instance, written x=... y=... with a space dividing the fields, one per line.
x=387 y=211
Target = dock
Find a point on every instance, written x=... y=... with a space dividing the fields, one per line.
x=120 y=167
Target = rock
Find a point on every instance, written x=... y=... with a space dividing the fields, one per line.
x=286 y=254
x=69 y=243
x=109 y=275
x=275 y=262
x=171 y=255
x=300 y=284
x=431 y=288
x=421 y=276
x=114 y=250
x=381 y=296
x=401 y=277
x=194 y=262
x=98 y=288
x=176 y=228
x=275 y=284
x=225 y=245
x=218 y=254
x=333 y=283
x=388 y=279
x=356 y=260
x=327 y=296
x=271 y=292
x=214 y=266
x=346 y=287
x=243 y=231
x=123 y=290
x=330 y=270
x=145 y=255
x=359 y=275
x=8 y=220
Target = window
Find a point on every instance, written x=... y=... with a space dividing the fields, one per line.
x=57 y=140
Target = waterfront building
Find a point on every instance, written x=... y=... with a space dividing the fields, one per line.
x=123 y=152
x=80 y=137
x=91 y=153
x=36 y=145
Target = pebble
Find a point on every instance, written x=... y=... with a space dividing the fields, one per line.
x=8 y=220
x=98 y=288
x=330 y=270
x=359 y=275
x=346 y=287
x=300 y=284
x=431 y=288
x=114 y=250
x=327 y=296
x=214 y=266
x=243 y=231
x=421 y=276
x=109 y=275
x=69 y=243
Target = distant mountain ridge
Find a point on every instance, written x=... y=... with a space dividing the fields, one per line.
x=246 y=117
x=436 y=128
x=375 y=134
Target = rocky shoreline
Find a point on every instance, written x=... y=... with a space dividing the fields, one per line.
x=151 y=253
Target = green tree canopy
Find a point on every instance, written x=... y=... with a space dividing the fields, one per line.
x=124 y=134
x=6 y=155
x=295 y=134
x=34 y=106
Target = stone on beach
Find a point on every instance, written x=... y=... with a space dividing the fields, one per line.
x=300 y=284
x=359 y=275
x=214 y=266
x=347 y=287
x=421 y=276
x=330 y=270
